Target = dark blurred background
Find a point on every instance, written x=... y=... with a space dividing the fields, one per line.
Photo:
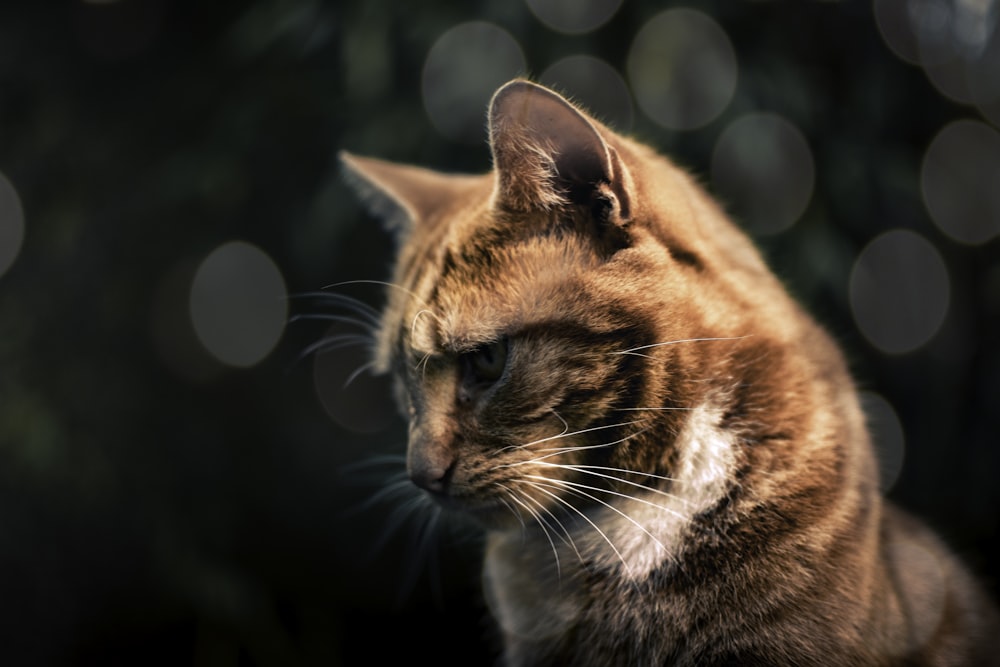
x=179 y=474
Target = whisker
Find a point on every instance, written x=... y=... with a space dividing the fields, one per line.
x=420 y=312
x=369 y=314
x=566 y=537
x=650 y=409
x=378 y=282
x=426 y=557
x=564 y=423
x=513 y=510
x=401 y=513
x=423 y=362
x=360 y=369
x=330 y=317
x=373 y=461
x=337 y=342
x=331 y=296
x=555 y=451
x=540 y=521
x=592 y=470
x=568 y=487
x=635 y=350
x=544 y=488
x=610 y=492
x=580 y=467
x=400 y=487
x=567 y=435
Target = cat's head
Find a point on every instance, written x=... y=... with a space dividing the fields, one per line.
x=571 y=312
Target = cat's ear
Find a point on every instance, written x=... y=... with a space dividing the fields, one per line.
x=548 y=154
x=402 y=195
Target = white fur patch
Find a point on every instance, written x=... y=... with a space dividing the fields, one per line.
x=647 y=529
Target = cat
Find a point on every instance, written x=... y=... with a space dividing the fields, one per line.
x=666 y=452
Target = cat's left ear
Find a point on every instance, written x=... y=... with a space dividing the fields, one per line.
x=402 y=195
x=549 y=154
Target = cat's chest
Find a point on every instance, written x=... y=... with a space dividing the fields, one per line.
x=533 y=596
x=546 y=579
x=579 y=611
x=541 y=587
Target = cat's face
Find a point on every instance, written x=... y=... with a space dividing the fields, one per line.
x=509 y=352
x=556 y=324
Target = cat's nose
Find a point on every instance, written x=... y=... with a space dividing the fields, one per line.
x=432 y=473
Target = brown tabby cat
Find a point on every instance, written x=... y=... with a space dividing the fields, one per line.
x=667 y=453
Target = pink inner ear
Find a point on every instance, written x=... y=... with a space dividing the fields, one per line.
x=543 y=147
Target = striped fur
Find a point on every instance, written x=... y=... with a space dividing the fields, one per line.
x=667 y=452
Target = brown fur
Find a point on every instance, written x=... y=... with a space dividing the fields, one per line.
x=671 y=461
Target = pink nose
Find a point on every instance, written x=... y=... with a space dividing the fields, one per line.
x=430 y=467
x=434 y=480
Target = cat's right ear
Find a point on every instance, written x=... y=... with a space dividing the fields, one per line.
x=548 y=153
x=401 y=195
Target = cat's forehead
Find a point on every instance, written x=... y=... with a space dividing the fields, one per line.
x=476 y=292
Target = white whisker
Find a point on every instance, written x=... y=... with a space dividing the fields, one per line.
x=635 y=350
x=378 y=282
x=542 y=523
x=544 y=488
x=567 y=435
x=394 y=460
x=422 y=311
x=423 y=362
x=564 y=423
x=513 y=510
x=426 y=555
x=569 y=486
x=568 y=483
x=566 y=537
x=592 y=470
x=370 y=316
x=555 y=451
x=360 y=369
x=400 y=487
x=650 y=409
x=400 y=515
x=337 y=342
x=330 y=317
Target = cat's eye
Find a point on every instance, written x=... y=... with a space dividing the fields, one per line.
x=486 y=363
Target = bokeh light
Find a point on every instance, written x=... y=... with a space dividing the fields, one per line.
x=11 y=224
x=596 y=85
x=574 y=17
x=887 y=437
x=899 y=291
x=893 y=20
x=238 y=304
x=682 y=68
x=762 y=168
x=984 y=78
x=956 y=43
x=463 y=69
x=960 y=180
x=952 y=37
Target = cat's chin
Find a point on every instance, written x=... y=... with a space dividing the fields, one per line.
x=487 y=513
